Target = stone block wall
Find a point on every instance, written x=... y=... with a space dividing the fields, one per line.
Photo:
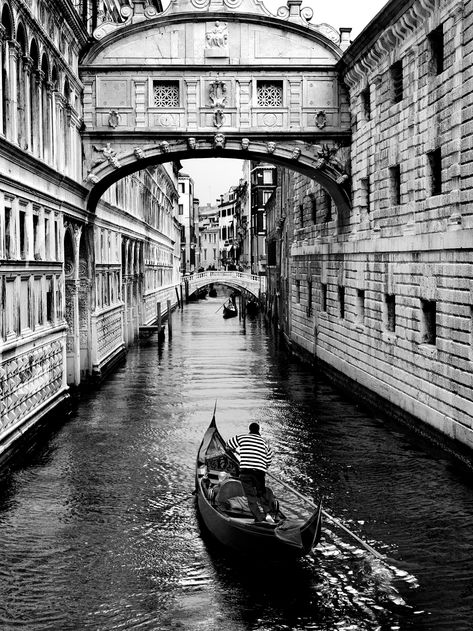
x=387 y=300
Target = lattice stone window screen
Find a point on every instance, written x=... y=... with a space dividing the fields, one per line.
x=269 y=93
x=166 y=93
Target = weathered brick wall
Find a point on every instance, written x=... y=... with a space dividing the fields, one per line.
x=413 y=244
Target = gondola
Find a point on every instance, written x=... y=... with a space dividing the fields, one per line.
x=224 y=511
x=229 y=310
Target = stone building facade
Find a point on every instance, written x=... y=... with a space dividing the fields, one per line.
x=382 y=296
x=74 y=285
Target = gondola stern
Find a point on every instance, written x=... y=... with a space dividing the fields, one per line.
x=312 y=529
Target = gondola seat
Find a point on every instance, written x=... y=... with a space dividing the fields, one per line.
x=231 y=498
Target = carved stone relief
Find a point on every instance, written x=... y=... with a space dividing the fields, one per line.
x=216 y=40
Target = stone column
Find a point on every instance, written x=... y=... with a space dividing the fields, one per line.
x=2 y=39
x=26 y=134
x=38 y=113
x=48 y=127
x=13 y=55
x=192 y=105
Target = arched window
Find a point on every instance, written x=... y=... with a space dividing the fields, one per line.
x=34 y=98
x=4 y=65
x=66 y=126
x=21 y=89
x=45 y=110
x=54 y=118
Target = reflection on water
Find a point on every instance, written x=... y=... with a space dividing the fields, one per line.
x=99 y=532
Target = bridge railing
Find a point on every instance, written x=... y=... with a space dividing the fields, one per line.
x=242 y=278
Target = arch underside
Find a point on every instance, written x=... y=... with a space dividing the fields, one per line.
x=294 y=154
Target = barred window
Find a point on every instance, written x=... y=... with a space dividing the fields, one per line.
x=166 y=93
x=397 y=82
x=437 y=49
x=269 y=93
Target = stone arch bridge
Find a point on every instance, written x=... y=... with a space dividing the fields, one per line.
x=251 y=283
x=209 y=78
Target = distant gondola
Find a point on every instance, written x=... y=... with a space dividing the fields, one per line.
x=229 y=309
x=224 y=511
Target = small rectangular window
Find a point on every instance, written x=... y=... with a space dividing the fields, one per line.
x=8 y=233
x=313 y=207
x=22 y=234
x=366 y=103
x=269 y=93
x=429 y=321
x=397 y=82
x=366 y=194
x=390 y=302
x=360 y=305
x=435 y=171
x=36 y=237
x=298 y=291
x=323 y=296
x=328 y=206
x=301 y=215
x=49 y=299
x=437 y=50
x=309 y=298
x=395 y=184
x=181 y=209
x=268 y=176
x=166 y=94
x=272 y=252
x=341 y=301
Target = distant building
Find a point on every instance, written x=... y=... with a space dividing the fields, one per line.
x=188 y=218
x=263 y=180
x=209 y=236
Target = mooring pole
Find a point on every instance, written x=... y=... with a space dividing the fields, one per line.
x=169 y=319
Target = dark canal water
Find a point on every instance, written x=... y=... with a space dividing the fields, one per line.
x=97 y=531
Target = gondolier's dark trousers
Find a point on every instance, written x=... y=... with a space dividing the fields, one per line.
x=253 y=483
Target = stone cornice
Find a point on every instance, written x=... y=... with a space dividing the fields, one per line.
x=389 y=30
x=124 y=31
x=66 y=9
x=13 y=154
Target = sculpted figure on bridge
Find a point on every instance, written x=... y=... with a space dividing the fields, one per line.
x=191 y=143
x=219 y=141
x=164 y=146
x=270 y=147
x=245 y=143
x=218 y=36
x=108 y=154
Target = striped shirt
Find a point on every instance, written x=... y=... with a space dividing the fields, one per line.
x=254 y=451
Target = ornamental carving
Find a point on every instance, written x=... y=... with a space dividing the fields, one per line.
x=320 y=119
x=217 y=37
x=113 y=119
x=219 y=141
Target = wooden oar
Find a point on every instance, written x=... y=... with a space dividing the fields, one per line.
x=328 y=516
x=221 y=307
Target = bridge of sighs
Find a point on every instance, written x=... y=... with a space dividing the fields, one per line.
x=210 y=78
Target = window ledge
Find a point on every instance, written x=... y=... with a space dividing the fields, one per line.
x=388 y=336
x=428 y=350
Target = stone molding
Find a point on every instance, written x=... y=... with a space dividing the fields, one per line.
x=393 y=37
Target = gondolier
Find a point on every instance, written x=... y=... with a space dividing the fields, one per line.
x=225 y=513
x=255 y=456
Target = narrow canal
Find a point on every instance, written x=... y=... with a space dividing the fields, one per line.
x=97 y=531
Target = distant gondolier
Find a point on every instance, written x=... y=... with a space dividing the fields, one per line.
x=255 y=456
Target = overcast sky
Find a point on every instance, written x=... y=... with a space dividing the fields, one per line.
x=215 y=176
